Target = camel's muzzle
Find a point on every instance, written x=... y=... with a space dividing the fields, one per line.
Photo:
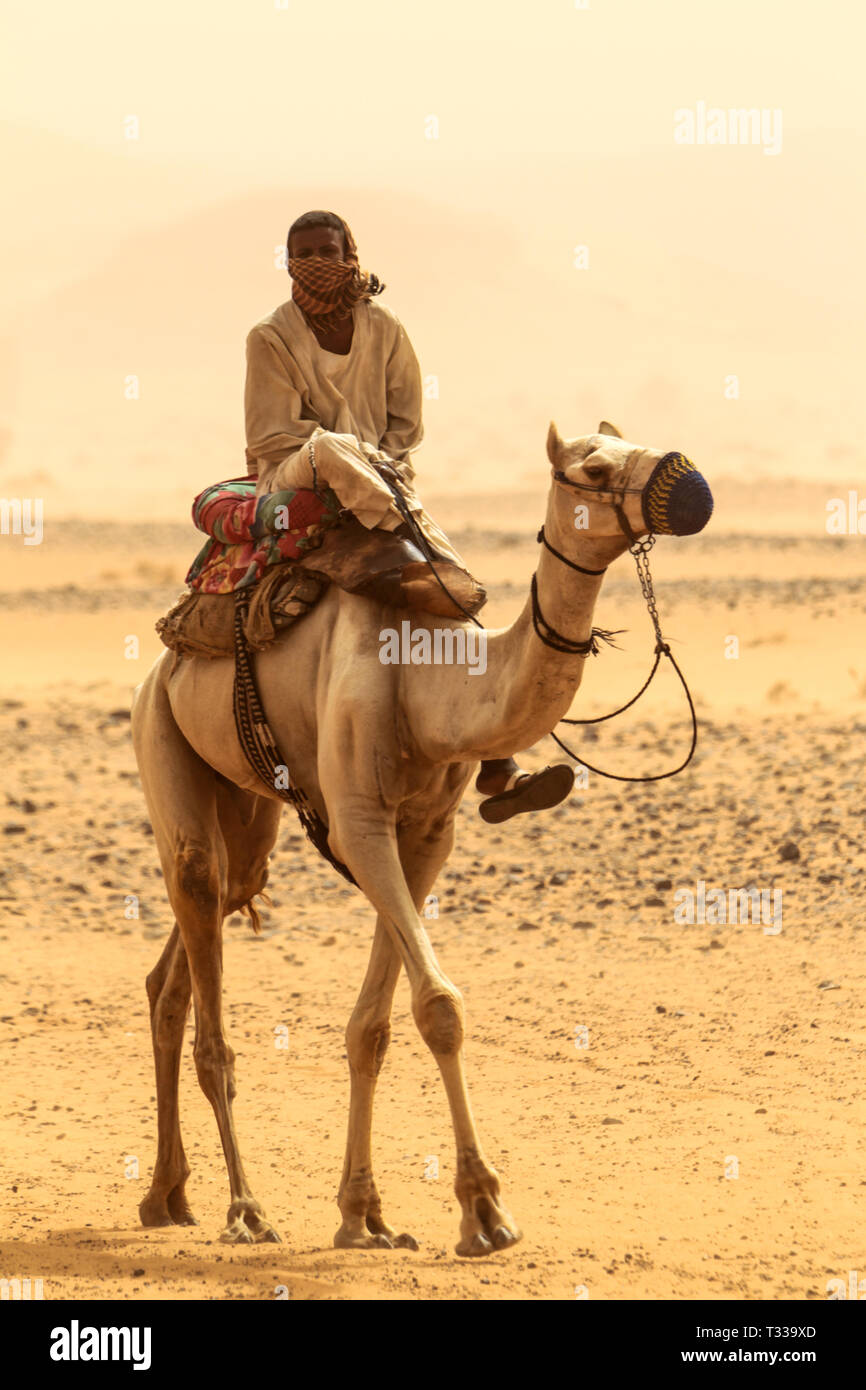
x=677 y=500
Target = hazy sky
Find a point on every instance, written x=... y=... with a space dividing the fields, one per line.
x=556 y=124
x=265 y=88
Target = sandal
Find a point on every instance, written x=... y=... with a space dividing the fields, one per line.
x=534 y=791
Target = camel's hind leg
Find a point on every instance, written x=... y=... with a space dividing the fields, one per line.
x=168 y=990
x=182 y=796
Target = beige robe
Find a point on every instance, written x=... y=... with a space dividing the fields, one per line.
x=355 y=409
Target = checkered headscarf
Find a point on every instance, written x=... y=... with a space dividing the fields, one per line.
x=326 y=290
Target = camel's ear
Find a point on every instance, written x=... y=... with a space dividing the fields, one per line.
x=555 y=445
x=607 y=428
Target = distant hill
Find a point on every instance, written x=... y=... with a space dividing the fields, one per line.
x=702 y=265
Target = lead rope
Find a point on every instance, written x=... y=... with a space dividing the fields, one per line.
x=640 y=550
x=260 y=746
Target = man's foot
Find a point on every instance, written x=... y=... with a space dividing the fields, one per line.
x=532 y=791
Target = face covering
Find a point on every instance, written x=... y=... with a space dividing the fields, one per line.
x=325 y=290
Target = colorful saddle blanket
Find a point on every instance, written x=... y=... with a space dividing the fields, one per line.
x=247 y=534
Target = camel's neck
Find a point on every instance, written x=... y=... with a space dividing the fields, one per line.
x=527 y=686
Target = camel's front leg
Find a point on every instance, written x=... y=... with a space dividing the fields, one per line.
x=364 y=838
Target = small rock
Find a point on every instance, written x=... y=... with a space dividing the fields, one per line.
x=528 y=926
x=829 y=984
x=663 y=884
x=609 y=1121
x=789 y=851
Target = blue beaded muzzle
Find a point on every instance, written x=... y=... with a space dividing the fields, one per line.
x=677 y=500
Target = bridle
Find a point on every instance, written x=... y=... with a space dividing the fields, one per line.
x=559 y=642
x=548 y=635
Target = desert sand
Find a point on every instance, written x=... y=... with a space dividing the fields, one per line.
x=702 y=1144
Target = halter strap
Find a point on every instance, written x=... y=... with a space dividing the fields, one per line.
x=542 y=540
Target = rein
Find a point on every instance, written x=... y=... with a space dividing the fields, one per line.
x=560 y=643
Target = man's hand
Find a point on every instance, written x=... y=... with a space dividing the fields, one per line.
x=388 y=472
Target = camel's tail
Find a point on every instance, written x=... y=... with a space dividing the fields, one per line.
x=252 y=911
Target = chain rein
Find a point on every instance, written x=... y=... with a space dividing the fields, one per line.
x=640 y=550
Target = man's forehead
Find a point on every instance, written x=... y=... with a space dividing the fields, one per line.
x=317 y=236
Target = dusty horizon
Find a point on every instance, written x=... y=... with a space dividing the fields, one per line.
x=552 y=247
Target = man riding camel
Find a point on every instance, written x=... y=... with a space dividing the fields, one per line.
x=334 y=368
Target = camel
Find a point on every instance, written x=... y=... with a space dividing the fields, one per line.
x=384 y=752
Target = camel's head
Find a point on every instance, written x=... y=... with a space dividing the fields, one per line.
x=659 y=492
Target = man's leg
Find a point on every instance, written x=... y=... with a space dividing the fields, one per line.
x=510 y=790
x=341 y=465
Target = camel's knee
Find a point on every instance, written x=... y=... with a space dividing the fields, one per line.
x=439 y=1018
x=153 y=984
x=366 y=1045
x=196 y=875
x=215 y=1067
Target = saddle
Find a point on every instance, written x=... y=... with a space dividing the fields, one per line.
x=283 y=570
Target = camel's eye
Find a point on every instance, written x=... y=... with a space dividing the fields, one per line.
x=595 y=470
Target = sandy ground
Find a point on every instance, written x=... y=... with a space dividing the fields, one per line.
x=705 y=1144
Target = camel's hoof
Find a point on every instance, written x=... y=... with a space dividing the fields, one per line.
x=478 y=1245
x=246 y=1225
x=159 y=1209
x=502 y=1238
x=179 y=1211
x=485 y=1229
x=374 y=1240
x=404 y=1242
x=153 y=1211
x=239 y=1234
